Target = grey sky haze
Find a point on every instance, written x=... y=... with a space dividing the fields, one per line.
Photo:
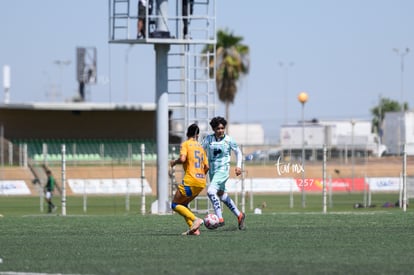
x=339 y=52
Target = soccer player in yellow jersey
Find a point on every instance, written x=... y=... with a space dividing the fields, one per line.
x=195 y=164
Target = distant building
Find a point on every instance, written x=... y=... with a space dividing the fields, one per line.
x=247 y=134
x=78 y=121
x=398 y=129
x=340 y=136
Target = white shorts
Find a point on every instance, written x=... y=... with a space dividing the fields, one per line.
x=219 y=180
x=48 y=195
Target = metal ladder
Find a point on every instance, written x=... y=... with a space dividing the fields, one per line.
x=120 y=17
x=192 y=93
x=192 y=96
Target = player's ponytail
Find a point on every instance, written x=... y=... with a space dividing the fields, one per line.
x=193 y=130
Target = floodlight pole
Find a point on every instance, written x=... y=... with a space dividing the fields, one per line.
x=126 y=71
x=161 y=87
x=303 y=157
x=353 y=153
x=6 y=83
x=61 y=64
x=402 y=54
x=162 y=125
x=303 y=98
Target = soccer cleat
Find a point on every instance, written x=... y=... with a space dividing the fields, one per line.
x=196 y=225
x=195 y=233
x=221 y=222
x=241 y=219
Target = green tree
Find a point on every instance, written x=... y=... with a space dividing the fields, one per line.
x=232 y=61
x=378 y=112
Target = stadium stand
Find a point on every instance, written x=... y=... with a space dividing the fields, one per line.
x=87 y=149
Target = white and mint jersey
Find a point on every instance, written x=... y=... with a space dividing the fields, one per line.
x=219 y=156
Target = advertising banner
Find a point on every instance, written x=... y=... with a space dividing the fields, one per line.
x=108 y=186
x=13 y=187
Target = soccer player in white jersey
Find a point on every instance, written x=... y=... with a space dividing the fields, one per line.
x=218 y=147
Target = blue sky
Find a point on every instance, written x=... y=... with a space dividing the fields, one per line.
x=341 y=51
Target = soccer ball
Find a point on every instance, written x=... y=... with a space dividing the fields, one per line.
x=211 y=221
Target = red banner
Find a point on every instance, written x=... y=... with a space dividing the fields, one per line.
x=341 y=184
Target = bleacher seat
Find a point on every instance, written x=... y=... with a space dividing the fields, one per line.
x=89 y=149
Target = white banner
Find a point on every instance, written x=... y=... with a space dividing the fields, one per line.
x=108 y=186
x=384 y=184
x=14 y=187
x=263 y=185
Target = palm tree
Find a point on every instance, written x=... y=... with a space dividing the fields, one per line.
x=232 y=62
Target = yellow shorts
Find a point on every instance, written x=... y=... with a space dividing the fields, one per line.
x=189 y=191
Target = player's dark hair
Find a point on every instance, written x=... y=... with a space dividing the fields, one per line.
x=216 y=121
x=193 y=130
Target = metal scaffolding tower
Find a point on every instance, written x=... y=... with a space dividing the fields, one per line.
x=185 y=92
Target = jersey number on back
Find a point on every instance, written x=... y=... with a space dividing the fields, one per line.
x=197 y=156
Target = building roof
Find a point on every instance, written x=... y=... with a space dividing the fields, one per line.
x=80 y=106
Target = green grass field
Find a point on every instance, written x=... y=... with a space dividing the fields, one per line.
x=110 y=240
